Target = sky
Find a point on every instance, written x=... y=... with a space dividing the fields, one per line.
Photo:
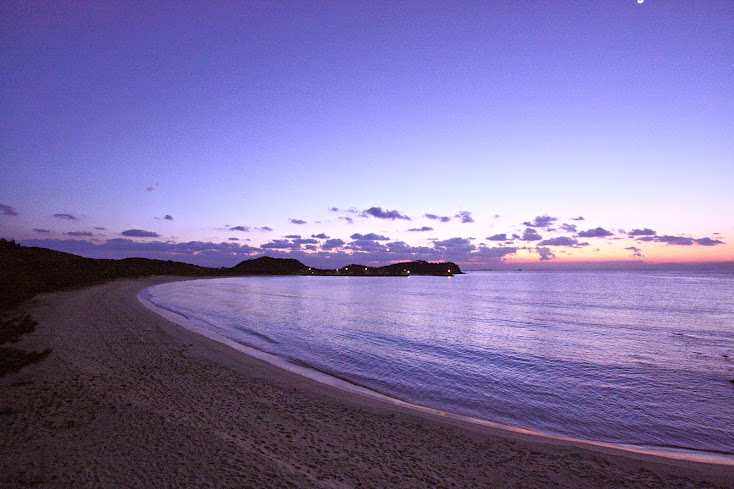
x=491 y=134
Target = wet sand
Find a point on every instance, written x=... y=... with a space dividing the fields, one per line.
x=129 y=399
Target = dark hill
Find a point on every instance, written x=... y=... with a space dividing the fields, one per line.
x=268 y=266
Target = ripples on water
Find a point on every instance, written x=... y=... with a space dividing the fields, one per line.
x=634 y=358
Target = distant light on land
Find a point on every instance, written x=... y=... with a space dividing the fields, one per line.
x=640 y=1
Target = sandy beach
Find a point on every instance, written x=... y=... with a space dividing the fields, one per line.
x=129 y=399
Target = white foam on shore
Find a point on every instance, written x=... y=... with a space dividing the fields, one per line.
x=193 y=325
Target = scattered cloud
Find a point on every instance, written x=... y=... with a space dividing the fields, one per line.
x=244 y=229
x=139 y=233
x=41 y=230
x=7 y=210
x=545 y=254
x=330 y=244
x=595 y=233
x=281 y=244
x=168 y=217
x=384 y=214
x=79 y=233
x=297 y=221
x=320 y=236
x=498 y=237
x=233 y=239
x=455 y=245
x=531 y=234
x=570 y=228
x=99 y=228
x=292 y=236
x=561 y=241
x=370 y=236
x=67 y=217
x=438 y=218
x=642 y=232
x=465 y=217
x=635 y=251
x=421 y=229
x=347 y=218
x=580 y=218
x=543 y=221
x=264 y=228
x=708 y=242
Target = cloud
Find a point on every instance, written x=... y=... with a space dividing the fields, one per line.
x=595 y=233
x=370 y=236
x=577 y=218
x=347 y=218
x=6 y=210
x=545 y=254
x=168 y=217
x=281 y=244
x=489 y=253
x=149 y=189
x=465 y=217
x=233 y=239
x=297 y=221
x=708 y=242
x=334 y=209
x=421 y=229
x=455 y=245
x=292 y=236
x=438 y=218
x=571 y=228
x=561 y=241
x=79 y=233
x=498 y=237
x=332 y=243
x=642 y=232
x=635 y=251
x=264 y=228
x=674 y=240
x=244 y=229
x=139 y=233
x=320 y=236
x=530 y=234
x=305 y=241
x=68 y=217
x=544 y=221
x=41 y=230
x=384 y=214
x=99 y=228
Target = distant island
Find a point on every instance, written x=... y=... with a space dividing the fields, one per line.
x=26 y=271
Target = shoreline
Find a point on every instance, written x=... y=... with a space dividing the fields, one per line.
x=128 y=397
x=333 y=381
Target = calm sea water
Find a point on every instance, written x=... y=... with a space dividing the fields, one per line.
x=631 y=358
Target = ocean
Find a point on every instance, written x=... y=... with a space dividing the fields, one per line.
x=632 y=358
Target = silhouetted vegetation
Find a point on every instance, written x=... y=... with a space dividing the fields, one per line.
x=13 y=359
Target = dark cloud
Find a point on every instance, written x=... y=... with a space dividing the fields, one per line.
x=7 y=210
x=455 y=245
x=233 y=239
x=421 y=229
x=561 y=241
x=438 y=218
x=41 y=230
x=367 y=245
x=244 y=229
x=384 y=214
x=708 y=242
x=595 y=233
x=370 y=236
x=674 y=240
x=149 y=189
x=292 y=236
x=68 y=217
x=577 y=218
x=98 y=228
x=297 y=221
x=489 y=253
x=498 y=237
x=465 y=217
x=168 y=217
x=570 y=228
x=264 y=228
x=320 y=236
x=334 y=209
x=544 y=221
x=635 y=251
x=281 y=244
x=79 y=233
x=139 y=233
x=545 y=254
x=347 y=218
x=332 y=243
x=530 y=234
x=642 y=232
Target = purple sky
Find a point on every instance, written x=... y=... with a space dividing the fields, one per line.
x=211 y=132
